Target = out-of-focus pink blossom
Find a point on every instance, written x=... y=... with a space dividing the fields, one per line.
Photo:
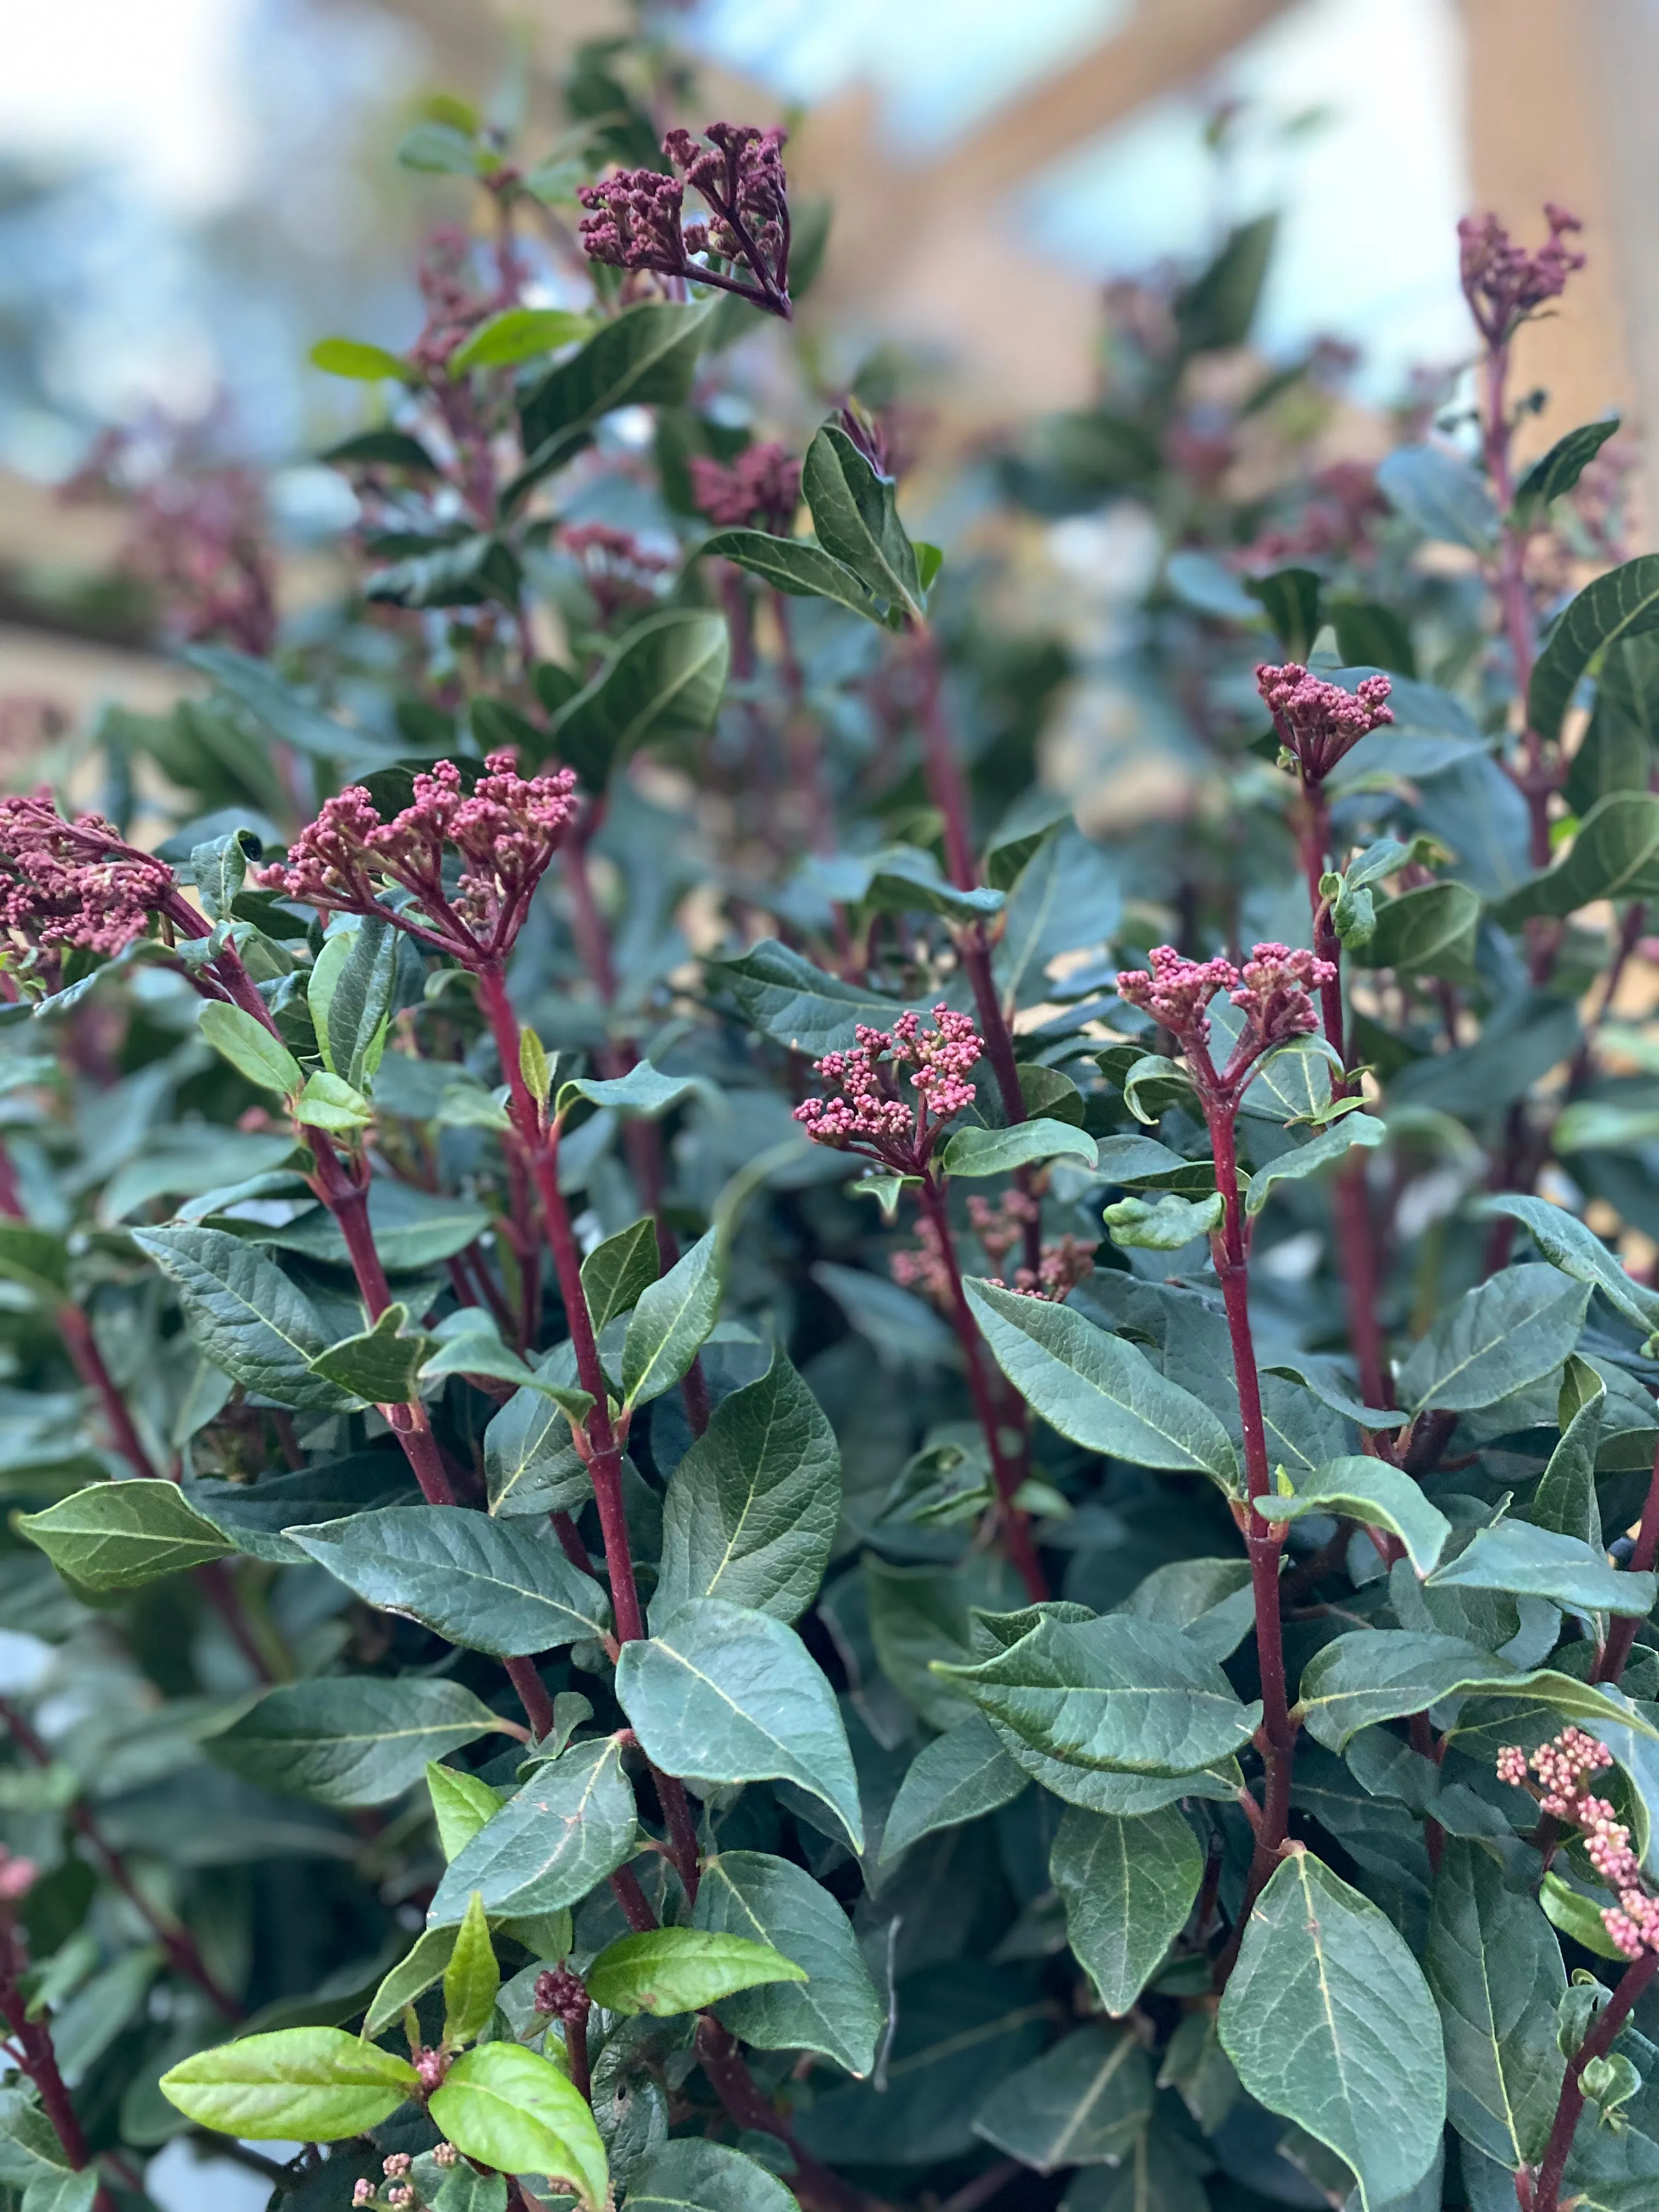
x=75 y=882
x=1502 y=282
x=761 y=487
x=635 y=218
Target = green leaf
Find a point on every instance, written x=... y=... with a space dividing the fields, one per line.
x=1127 y=1886
x=1577 y=1916
x=1557 y=471
x=350 y=995
x=345 y=1739
x=793 y=565
x=1330 y=2023
x=1495 y=1969
x=1511 y=1330
x=1068 y=896
x=378 y=1365
x=488 y=1585
x=120 y=1536
x=571 y=1823
x=391 y=449
x=1440 y=494
x=961 y=1776
x=518 y=334
x=1159 y=2173
x=1614 y=855
x=834 y=2008
x=616 y=1273
x=671 y=1320
x=255 y=686
x=1166 y=1224
x=413 y=1229
x=1371 y=1491
x=857 y=522
x=328 y=1102
x=441 y=150
x=250 y=1047
x=531 y=1465
x=363 y=362
x=752 y=1507
x=1096 y=1389
x=1081 y=2104
x=1565 y=1499
x=666 y=673
x=470 y=1346
x=1379 y=1675
x=974 y=1151
x=252 y=1514
x=789 y=999
x=669 y=1970
x=1130 y=1695
x=38 y=1259
x=471 y=1977
x=693 y=2175
x=1319 y=1151
x=420 y=1969
x=1216 y=311
x=461 y=1805
x=512 y=2109
x=1428 y=931
x=244 y=1314
x=722 y=1693
x=643 y=1090
x=1291 y=598
x=645 y=356
x=1533 y=1562
x=1618 y=604
x=319 y=2081
x=1567 y=1243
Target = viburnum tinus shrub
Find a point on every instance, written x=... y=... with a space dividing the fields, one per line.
x=740 y=1471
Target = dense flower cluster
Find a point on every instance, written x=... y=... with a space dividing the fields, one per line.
x=1343 y=504
x=619 y=571
x=1556 y=1775
x=866 y=1112
x=761 y=487
x=74 y=883
x=1271 y=991
x=506 y=830
x=1319 y=722
x=561 y=1994
x=1502 y=282
x=636 y=218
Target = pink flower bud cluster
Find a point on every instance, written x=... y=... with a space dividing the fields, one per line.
x=1001 y=1224
x=866 y=1113
x=1272 y=991
x=561 y=1995
x=445 y=2154
x=636 y=218
x=1502 y=282
x=1320 y=722
x=17 y=1877
x=76 y=883
x=1556 y=1775
x=506 y=830
x=619 y=571
x=431 y=2066
x=1064 y=1264
x=761 y=487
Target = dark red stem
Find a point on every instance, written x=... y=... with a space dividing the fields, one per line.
x=1603 y=2033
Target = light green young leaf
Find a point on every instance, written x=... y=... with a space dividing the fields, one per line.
x=671 y=1320
x=1374 y=1492
x=120 y=1536
x=348 y=1739
x=1365 y=2071
x=364 y=363
x=752 y=1507
x=328 y=1101
x=250 y=1047
x=835 y=2010
x=1163 y=1226
x=324 y=2082
x=1099 y=1391
x=1127 y=1886
x=512 y=2109
x=669 y=1970
x=461 y=1805
x=722 y=1693
x=420 y=1969
x=516 y=335
x=471 y=1978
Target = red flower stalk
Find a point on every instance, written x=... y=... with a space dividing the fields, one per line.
x=78 y=882
x=505 y=830
x=866 y=1112
x=761 y=487
x=1271 y=990
x=1556 y=1775
x=1320 y=722
x=1502 y=282
x=636 y=218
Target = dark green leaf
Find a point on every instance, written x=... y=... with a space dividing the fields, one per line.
x=694 y=2175
x=1290 y=598
x=798 y=1005
x=1081 y=2104
x=1614 y=855
x=616 y=1271
x=857 y=522
x=793 y=565
x=835 y=2010
x=349 y=994
x=488 y=1585
x=975 y=1151
x=120 y=1536
x=1439 y=494
x=752 y=1507
x=670 y=1322
x=1377 y=1675
x=378 y=1365
x=1620 y=603
x=346 y=1740
x=1329 y=2022
x=1533 y=1562
x=571 y=1823
x=1557 y=471
x=1430 y=932
x=960 y=1776
x=1371 y=1491
x=1127 y=1886
x=647 y=357
x=725 y=1694
x=666 y=674
x=1217 y=311
x=1321 y=1151
x=1567 y=1243
x=1565 y=1499
x=246 y=1315
x=1509 y=1331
